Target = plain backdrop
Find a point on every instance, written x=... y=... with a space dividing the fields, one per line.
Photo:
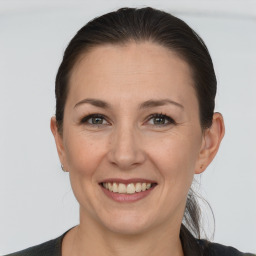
x=36 y=200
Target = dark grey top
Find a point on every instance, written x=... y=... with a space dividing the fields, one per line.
x=194 y=247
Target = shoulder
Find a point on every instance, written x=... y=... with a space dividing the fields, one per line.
x=49 y=248
x=200 y=247
x=215 y=249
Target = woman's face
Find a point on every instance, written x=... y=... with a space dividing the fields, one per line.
x=131 y=117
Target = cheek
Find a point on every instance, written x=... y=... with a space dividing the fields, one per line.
x=175 y=157
x=83 y=153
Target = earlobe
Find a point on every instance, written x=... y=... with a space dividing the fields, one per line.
x=58 y=140
x=211 y=141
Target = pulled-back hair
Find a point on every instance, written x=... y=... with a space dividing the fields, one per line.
x=147 y=25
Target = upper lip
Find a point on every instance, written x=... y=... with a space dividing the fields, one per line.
x=127 y=181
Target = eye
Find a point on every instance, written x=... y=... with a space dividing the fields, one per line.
x=160 y=120
x=94 y=119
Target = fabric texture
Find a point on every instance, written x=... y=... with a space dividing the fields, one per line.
x=192 y=247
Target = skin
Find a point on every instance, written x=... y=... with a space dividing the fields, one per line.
x=131 y=144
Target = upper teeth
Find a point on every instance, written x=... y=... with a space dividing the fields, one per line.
x=130 y=188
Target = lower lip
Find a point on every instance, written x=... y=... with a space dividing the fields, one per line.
x=127 y=198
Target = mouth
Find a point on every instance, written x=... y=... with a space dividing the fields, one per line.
x=128 y=188
x=127 y=191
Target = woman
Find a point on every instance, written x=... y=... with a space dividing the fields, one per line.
x=134 y=122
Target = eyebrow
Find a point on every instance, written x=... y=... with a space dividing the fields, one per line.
x=147 y=104
x=94 y=102
x=157 y=103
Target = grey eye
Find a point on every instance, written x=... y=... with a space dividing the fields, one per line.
x=159 y=120
x=96 y=120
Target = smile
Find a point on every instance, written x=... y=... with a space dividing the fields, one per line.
x=127 y=191
x=130 y=188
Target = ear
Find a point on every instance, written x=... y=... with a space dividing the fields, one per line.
x=212 y=138
x=58 y=140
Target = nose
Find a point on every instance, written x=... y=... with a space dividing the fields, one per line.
x=125 y=150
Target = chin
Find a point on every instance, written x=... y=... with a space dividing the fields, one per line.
x=127 y=223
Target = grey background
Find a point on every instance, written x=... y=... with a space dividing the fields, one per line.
x=36 y=200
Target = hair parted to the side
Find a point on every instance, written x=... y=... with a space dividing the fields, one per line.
x=143 y=25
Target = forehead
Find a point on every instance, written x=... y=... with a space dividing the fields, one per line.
x=148 y=68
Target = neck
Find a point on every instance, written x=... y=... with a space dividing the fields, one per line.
x=89 y=239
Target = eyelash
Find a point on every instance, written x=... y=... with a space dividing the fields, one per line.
x=170 y=120
x=164 y=116
x=86 y=118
